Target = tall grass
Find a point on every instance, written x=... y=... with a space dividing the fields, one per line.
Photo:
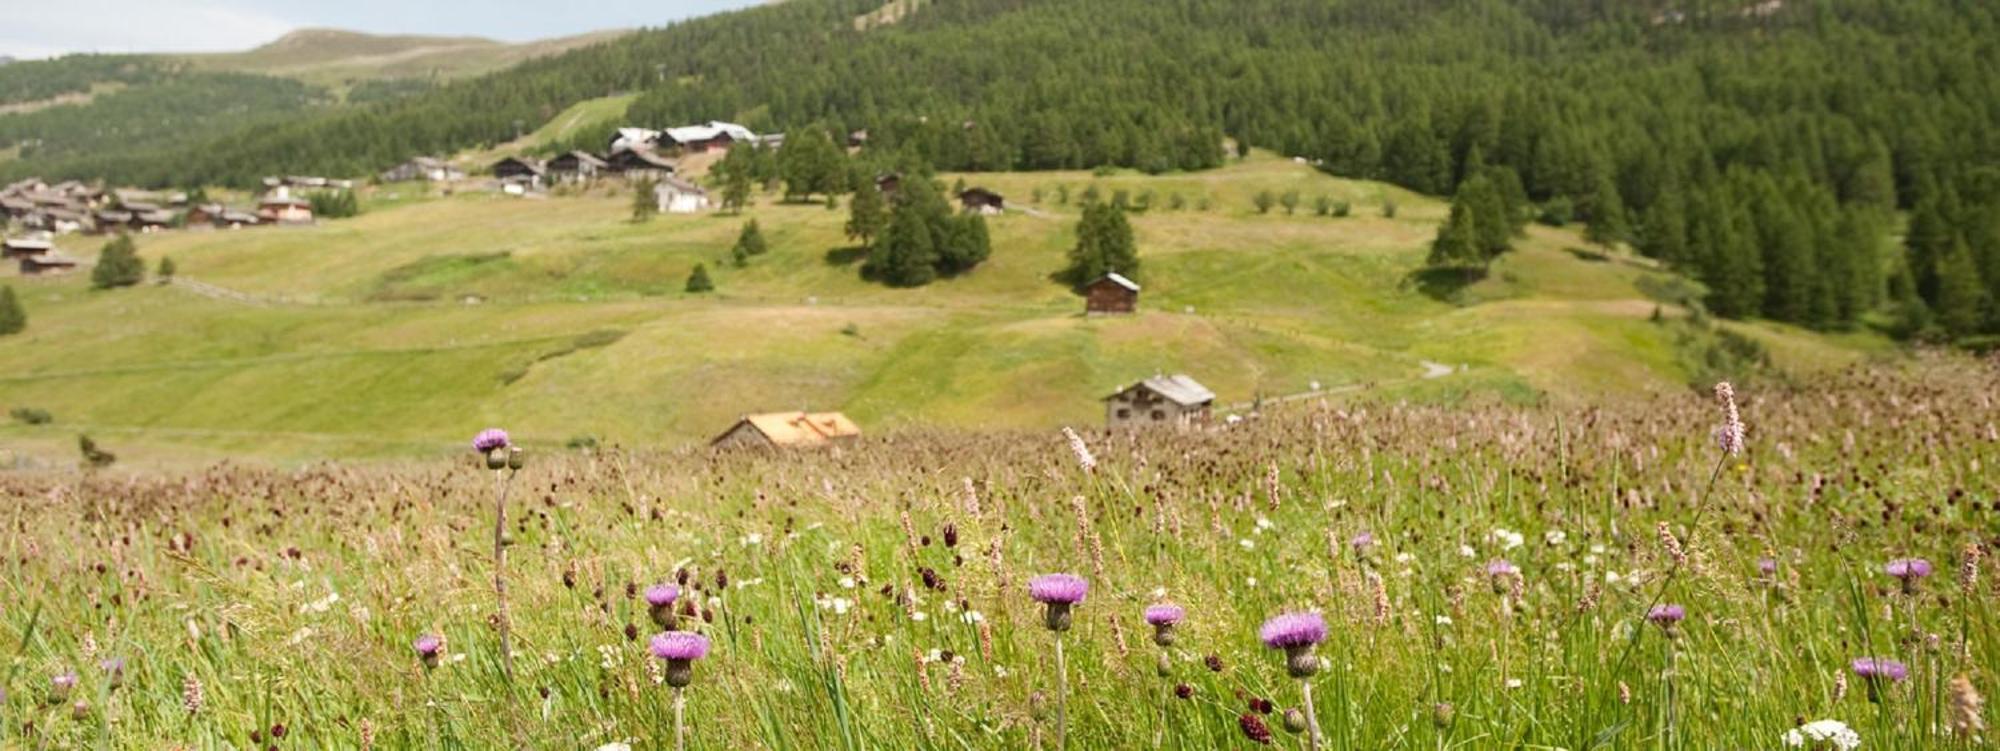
x=292 y=597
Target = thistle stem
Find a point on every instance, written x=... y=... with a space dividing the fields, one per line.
x=500 y=576
x=1312 y=716
x=1062 y=698
x=680 y=719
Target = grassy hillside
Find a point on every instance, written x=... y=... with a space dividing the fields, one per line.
x=337 y=58
x=398 y=331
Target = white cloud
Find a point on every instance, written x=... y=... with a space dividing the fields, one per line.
x=49 y=28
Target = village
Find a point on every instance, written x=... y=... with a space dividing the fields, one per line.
x=42 y=213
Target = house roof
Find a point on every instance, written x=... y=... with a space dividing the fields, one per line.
x=1179 y=389
x=1118 y=279
x=633 y=137
x=581 y=157
x=645 y=157
x=709 y=131
x=51 y=258
x=283 y=201
x=678 y=185
x=530 y=164
x=800 y=428
x=238 y=217
x=29 y=243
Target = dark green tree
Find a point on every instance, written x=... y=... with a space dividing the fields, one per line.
x=165 y=271
x=13 y=319
x=1457 y=243
x=750 y=241
x=867 y=215
x=698 y=280
x=645 y=204
x=810 y=164
x=118 y=265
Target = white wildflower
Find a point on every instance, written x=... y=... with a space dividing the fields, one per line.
x=1554 y=537
x=1828 y=734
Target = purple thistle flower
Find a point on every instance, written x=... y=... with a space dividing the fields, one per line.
x=679 y=645
x=114 y=670
x=1767 y=566
x=680 y=649
x=490 y=440
x=1908 y=568
x=661 y=595
x=1165 y=614
x=1058 y=589
x=1875 y=667
x=1666 y=615
x=1501 y=567
x=1293 y=630
x=1362 y=542
x=430 y=649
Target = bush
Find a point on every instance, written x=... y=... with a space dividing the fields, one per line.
x=1558 y=212
x=1342 y=208
x=31 y=416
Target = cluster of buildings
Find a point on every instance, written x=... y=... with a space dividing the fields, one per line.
x=633 y=154
x=76 y=207
x=1174 y=401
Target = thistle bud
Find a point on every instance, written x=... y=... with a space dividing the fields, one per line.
x=1038 y=706
x=1442 y=714
x=1295 y=721
x=1165 y=665
x=496 y=459
x=514 y=457
x=1301 y=662
x=1058 y=616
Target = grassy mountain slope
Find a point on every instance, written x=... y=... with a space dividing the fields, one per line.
x=338 y=58
x=363 y=342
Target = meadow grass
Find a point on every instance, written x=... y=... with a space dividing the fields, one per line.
x=875 y=596
x=430 y=315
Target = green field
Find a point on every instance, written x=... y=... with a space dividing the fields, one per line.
x=396 y=332
x=338 y=58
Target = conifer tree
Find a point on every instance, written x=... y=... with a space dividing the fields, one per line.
x=698 y=280
x=1606 y=212
x=867 y=215
x=165 y=271
x=118 y=265
x=751 y=239
x=645 y=204
x=1457 y=243
x=1961 y=299
x=13 y=319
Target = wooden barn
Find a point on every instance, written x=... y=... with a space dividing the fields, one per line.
x=284 y=209
x=575 y=166
x=52 y=262
x=778 y=430
x=1175 y=400
x=982 y=201
x=23 y=247
x=1110 y=294
x=514 y=169
x=640 y=164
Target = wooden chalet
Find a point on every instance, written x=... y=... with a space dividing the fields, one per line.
x=1110 y=294
x=640 y=164
x=23 y=247
x=52 y=262
x=1176 y=400
x=281 y=208
x=576 y=166
x=786 y=430
x=515 y=169
x=713 y=135
x=427 y=168
x=982 y=201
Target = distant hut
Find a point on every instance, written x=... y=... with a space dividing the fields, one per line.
x=575 y=166
x=23 y=247
x=982 y=201
x=640 y=164
x=1109 y=294
x=1175 y=400
x=677 y=196
x=52 y=262
x=428 y=168
x=519 y=171
x=278 y=208
x=857 y=139
x=888 y=183
x=778 y=430
x=201 y=215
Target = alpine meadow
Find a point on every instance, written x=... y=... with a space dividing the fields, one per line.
x=1001 y=374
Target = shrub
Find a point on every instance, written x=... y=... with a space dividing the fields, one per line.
x=31 y=416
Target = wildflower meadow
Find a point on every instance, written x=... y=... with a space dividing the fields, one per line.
x=1765 y=566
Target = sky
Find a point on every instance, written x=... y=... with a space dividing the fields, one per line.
x=40 y=28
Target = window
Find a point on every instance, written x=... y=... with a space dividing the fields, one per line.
x=1159 y=415
x=1124 y=413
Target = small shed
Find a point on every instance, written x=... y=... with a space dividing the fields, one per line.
x=888 y=183
x=1110 y=294
x=777 y=430
x=284 y=209
x=677 y=196
x=23 y=247
x=428 y=168
x=982 y=201
x=1176 y=400
x=52 y=262
x=575 y=166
